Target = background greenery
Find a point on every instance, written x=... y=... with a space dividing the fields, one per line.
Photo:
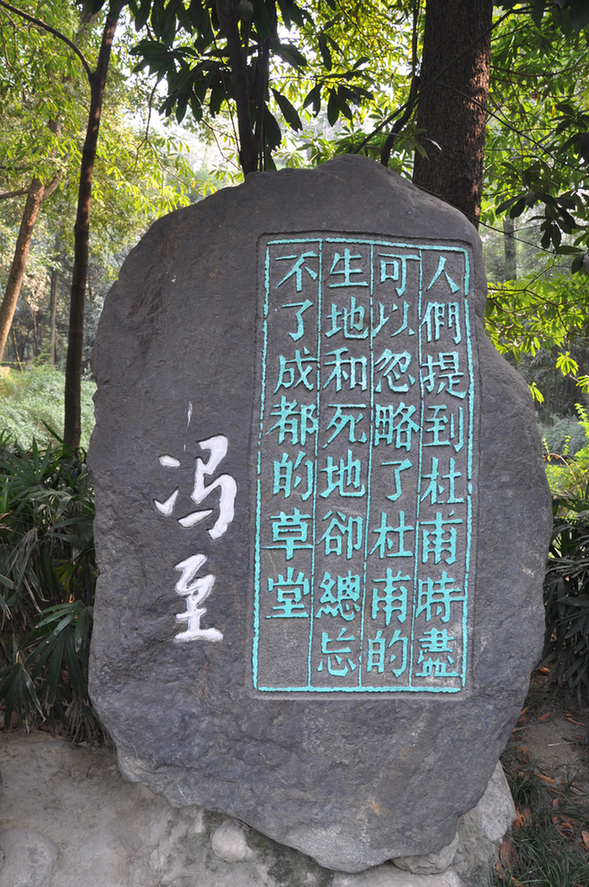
x=31 y=405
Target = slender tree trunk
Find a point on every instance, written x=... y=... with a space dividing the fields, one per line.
x=73 y=371
x=53 y=302
x=509 y=248
x=453 y=92
x=249 y=148
x=35 y=196
x=36 y=331
x=15 y=346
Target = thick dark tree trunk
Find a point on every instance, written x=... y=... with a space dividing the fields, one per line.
x=453 y=91
x=35 y=196
x=73 y=371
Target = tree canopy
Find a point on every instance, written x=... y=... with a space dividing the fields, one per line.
x=481 y=99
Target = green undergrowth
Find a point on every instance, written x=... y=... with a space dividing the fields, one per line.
x=566 y=584
x=47 y=580
x=31 y=405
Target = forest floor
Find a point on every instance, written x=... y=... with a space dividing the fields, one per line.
x=546 y=762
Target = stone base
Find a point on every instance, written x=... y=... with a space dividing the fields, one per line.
x=70 y=819
x=474 y=849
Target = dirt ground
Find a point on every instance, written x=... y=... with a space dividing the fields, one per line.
x=552 y=733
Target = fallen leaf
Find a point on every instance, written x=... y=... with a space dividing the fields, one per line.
x=565 y=829
x=557 y=802
x=542 y=769
x=545 y=716
x=507 y=854
x=523 y=754
x=572 y=721
x=585 y=836
x=524 y=817
x=543 y=670
x=547 y=779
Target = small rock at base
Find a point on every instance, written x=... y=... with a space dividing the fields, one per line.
x=429 y=863
x=391 y=876
x=228 y=843
x=496 y=808
x=29 y=858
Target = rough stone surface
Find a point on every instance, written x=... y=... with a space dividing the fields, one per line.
x=479 y=835
x=229 y=843
x=29 y=858
x=345 y=779
x=496 y=809
x=430 y=863
x=112 y=833
x=390 y=876
x=481 y=830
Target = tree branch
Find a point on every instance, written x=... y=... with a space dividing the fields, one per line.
x=58 y=34
x=50 y=188
x=8 y=194
x=385 y=153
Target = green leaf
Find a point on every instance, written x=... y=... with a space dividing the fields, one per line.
x=289 y=112
x=506 y=204
x=272 y=132
x=325 y=51
x=566 y=364
x=538 y=11
x=517 y=208
x=262 y=20
x=333 y=108
x=314 y=98
x=291 y=55
x=579 y=14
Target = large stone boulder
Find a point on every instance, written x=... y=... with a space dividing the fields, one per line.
x=322 y=517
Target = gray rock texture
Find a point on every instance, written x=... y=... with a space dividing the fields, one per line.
x=113 y=833
x=350 y=780
x=389 y=876
x=475 y=849
x=229 y=842
x=481 y=830
x=30 y=858
x=430 y=863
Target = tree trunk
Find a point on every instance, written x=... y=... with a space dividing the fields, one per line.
x=73 y=371
x=249 y=147
x=53 y=302
x=509 y=248
x=36 y=193
x=453 y=92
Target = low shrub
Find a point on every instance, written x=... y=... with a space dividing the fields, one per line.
x=566 y=595
x=47 y=581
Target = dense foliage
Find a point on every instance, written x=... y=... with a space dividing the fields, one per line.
x=270 y=82
x=47 y=579
x=566 y=595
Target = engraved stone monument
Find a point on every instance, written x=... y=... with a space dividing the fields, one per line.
x=322 y=517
